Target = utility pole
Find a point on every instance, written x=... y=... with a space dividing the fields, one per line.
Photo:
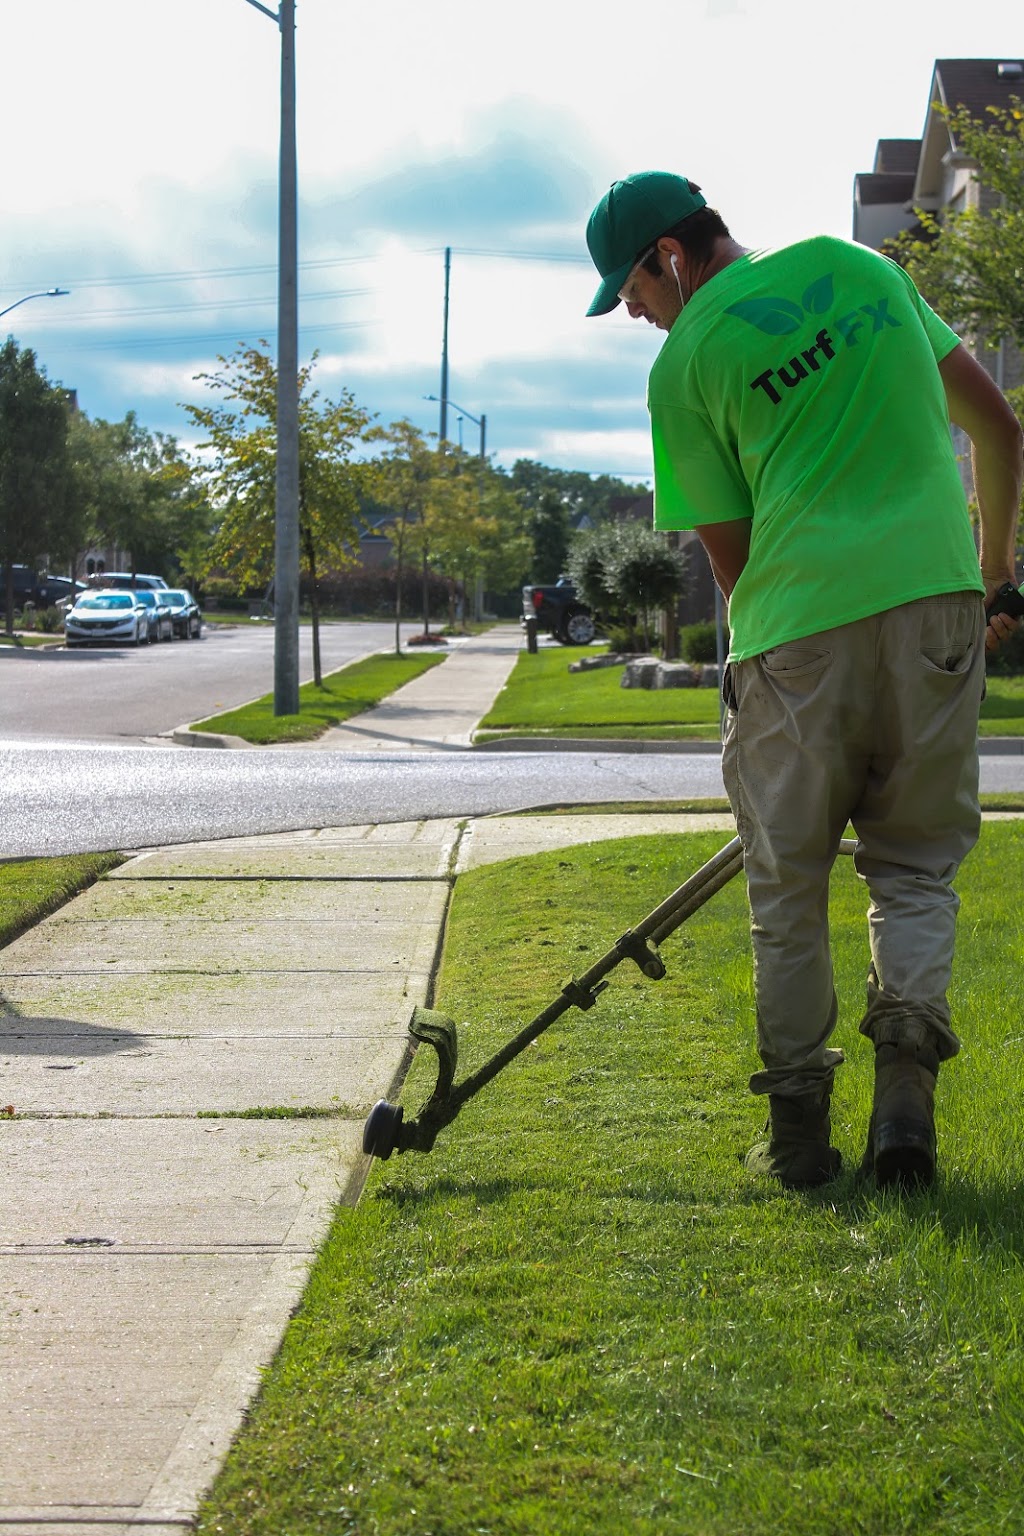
x=286 y=528
x=286 y=508
x=443 y=433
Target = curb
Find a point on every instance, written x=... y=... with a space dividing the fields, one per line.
x=184 y=736
x=592 y=744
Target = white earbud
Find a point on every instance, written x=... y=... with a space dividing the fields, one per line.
x=673 y=262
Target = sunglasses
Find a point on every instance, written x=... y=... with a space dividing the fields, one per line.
x=623 y=292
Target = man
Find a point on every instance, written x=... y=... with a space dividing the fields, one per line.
x=800 y=411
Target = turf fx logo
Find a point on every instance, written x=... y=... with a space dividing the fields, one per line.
x=782 y=317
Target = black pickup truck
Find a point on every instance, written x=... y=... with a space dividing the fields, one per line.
x=559 y=612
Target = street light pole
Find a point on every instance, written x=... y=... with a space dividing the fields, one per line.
x=443 y=434
x=478 y=421
x=47 y=293
x=286 y=524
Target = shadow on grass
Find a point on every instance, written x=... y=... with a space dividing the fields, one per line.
x=981 y=1213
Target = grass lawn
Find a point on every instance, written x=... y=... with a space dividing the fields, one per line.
x=343 y=693
x=542 y=697
x=31 y=888
x=580 y=1315
x=42 y=638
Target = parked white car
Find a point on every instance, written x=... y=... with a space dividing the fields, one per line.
x=106 y=616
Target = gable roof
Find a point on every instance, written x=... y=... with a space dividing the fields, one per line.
x=897 y=157
x=976 y=84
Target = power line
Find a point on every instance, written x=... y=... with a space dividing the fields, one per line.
x=189 y=341
x=129 y=315
x=203 y=274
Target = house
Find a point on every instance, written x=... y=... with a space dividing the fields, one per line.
x=934 y=173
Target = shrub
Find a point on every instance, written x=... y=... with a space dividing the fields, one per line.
x=50 y=621
x=697 y=643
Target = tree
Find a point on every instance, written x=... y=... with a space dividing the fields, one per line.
x=133 y=489
x=402 y=484
x=242 y=473
x=627 y=572
x=450 y=512
x=581 y=494
x=969 y=263
x=33 y=462
x=480 y=527
x=549 y=534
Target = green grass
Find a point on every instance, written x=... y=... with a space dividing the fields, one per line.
x=580 y=1314
x=542 y=697
x=344 y=693
x=31 y=888
x=31 y=640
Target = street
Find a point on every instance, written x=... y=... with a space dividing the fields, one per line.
x=61 y=798
x=119 y=694
x=83 y=769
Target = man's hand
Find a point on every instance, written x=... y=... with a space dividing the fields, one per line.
x=1004 y=608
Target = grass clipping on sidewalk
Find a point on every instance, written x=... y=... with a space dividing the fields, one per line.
x=580 y=1314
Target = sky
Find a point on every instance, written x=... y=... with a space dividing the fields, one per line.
x=140 y=173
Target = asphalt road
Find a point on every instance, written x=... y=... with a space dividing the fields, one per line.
x=120 y=694
x=57 y=797
x=80 y=770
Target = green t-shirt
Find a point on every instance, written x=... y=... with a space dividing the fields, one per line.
x=799 y=388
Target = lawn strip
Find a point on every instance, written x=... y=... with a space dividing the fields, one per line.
x=30 y=889
x=580 y=1314
x=542 y=697
x=352 y=689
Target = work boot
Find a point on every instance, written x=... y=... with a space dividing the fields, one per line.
x=798 y=1151
x=901 y=1135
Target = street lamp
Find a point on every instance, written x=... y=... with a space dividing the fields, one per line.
x=479 y=421
x=47 y=293
x=286 y=508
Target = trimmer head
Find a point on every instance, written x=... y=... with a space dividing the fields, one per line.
x=380 y=1133
x=384 y=1131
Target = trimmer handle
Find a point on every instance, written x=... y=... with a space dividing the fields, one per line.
x=1007 y=600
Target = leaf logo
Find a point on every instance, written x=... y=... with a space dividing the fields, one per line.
x=781 y=317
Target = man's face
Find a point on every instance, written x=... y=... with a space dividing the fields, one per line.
x=652 y=297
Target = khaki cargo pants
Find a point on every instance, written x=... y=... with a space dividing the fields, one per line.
x=873 y=723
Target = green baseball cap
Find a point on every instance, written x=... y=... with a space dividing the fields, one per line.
x=630 y=217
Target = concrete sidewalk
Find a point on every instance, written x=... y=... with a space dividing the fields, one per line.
x=436 y=712
x=190 y=1049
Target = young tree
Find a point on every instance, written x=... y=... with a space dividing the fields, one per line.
x=480 y=525
x=242 y=474
x=626 y=571
x=33 y=463
x=403 y=477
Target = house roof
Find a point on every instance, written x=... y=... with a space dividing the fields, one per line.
x=976 y=84
x=892 y=188
x=897 y=157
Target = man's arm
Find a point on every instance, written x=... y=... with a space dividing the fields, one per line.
x=727 y=545
x=997 y=455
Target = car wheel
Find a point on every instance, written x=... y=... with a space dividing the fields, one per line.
x=140 y=638
x=578 y=628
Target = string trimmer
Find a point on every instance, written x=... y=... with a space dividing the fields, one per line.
x=386 y=1128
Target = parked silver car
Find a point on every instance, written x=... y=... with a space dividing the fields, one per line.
x=185 y=612
x=106 y=616
x=161 y=620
